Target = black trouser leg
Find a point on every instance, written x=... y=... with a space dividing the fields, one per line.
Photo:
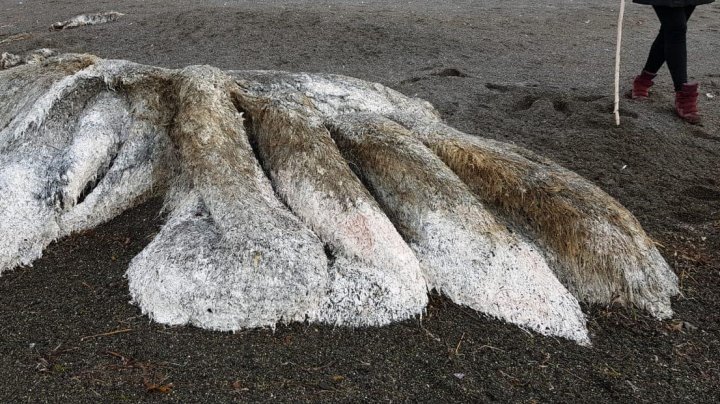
x=670 y=45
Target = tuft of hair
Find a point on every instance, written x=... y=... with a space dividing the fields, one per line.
x=600 y=251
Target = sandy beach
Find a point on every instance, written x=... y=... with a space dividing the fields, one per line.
x=536 y=74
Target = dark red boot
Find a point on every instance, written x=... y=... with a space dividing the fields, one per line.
x=641 y=85
x=686 y=103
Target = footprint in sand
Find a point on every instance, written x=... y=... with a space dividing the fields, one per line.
x=703 y=193
x=447 y=72
x=501 y=88
x=547 y=105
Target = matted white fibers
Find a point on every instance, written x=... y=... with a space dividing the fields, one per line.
x=299 y=197
x=464 y=252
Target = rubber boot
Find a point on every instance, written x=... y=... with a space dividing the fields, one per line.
x=641 y=85
x=686 y=103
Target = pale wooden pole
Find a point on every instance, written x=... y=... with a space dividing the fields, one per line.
x=621 y=16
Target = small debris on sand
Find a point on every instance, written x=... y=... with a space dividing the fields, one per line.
x=86 y=19
x=14 y=38
x=8 y=60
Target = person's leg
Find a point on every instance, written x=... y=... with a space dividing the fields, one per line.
x=688 y=12
x=671 y=46
x=656 y=58
x=673 y=21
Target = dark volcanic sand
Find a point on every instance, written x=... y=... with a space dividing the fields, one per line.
x=539 y=75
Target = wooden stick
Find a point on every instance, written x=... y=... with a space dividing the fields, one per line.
x=105 y=334
x=616 y=111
